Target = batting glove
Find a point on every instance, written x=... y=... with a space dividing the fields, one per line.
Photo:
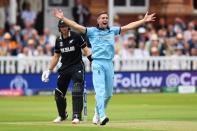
x=45 y=75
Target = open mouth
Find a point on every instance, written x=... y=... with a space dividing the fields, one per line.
x=104 y=23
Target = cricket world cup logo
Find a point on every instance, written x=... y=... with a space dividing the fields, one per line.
x=19 y=83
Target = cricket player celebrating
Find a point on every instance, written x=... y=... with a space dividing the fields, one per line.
x=68 y=45
x=102 y=41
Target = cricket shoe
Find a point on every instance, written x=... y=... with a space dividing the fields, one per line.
x=76 y=121
x=96 y=118
x=104 y=120
x=60 y=119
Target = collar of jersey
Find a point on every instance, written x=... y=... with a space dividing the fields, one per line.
x=64 y=38
x=97 y=26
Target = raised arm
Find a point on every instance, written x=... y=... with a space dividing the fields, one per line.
x=133 y=25
x=59 y=14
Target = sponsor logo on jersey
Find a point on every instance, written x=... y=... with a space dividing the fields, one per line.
x=67 y=49
x=104 y=37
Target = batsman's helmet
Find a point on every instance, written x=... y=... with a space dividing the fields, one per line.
x=62 y=24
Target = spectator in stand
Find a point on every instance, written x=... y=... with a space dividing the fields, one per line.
x=180 y=40
x=42 y=41
x=24 y=53
x=28 y=29
x=131 y=52
x=162 y=24
x=153 y=42
x=179 y=25
x=49 y=38
x=194 y=42
x=131 y=41
x=9 y=45
x=170 y=31
x=187 y=49
x=81 y=13
x=39 y=51
x=31 y=46
x=176 y=63
x=188 y=33
x=125 y=53
x=179 y=50
x=193 y=36
x=19 y=47
x=168 y=47
x=11 y=29
x=25 y=40
x=193 y=52
x=140 y=52
x=162 y=40
x=28 y=15
x=161 y=36
x=154 y=51
x=48 y=50
x=18 y=37
x=142 y=35
x=35 y=37
x=23 y=64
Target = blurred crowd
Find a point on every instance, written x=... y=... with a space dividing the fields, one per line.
x=174 y=39
x=22 y=39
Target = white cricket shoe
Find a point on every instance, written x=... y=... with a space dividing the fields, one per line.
x=60 y=119
x=96 y=118
x=104 y=120
x=75 y=121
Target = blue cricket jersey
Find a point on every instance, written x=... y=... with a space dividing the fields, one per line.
x=102 y=41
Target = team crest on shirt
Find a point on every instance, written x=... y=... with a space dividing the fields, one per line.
x=61 y=43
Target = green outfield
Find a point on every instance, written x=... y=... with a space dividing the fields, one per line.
x=135 y=112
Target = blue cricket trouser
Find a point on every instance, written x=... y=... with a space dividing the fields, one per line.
x=103 y=79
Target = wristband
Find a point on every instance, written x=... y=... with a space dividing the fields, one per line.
x=90 y=58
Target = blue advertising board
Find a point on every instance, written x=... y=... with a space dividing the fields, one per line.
x=31 y=83
x=155 y=79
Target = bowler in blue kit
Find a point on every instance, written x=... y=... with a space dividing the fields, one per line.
x=102 y=41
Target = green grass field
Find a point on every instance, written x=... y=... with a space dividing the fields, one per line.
x=135 y=112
